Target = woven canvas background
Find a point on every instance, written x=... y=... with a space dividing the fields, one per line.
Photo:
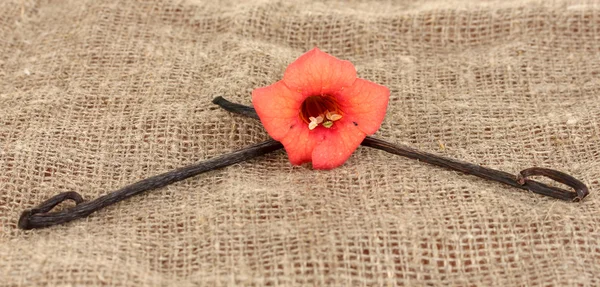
x=98 y=94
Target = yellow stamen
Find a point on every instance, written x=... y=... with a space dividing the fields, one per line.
x=318 y=119
x=322 y=109
x=333 y=116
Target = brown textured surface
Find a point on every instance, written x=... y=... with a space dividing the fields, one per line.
x=97 y=94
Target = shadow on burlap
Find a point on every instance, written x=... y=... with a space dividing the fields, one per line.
x=98 y=94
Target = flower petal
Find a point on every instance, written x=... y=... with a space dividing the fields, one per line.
x=338 y=144
x=364 y=104
x=277 y=107
x=300 y=142
x=318 y=73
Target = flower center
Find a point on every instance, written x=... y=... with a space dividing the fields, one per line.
x=320 y=110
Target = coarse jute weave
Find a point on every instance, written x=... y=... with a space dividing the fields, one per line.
x=95 y=95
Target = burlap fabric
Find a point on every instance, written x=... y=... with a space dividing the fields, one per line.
x=98 y=94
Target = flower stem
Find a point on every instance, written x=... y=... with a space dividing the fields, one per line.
x=519 y=181
x=41 y=216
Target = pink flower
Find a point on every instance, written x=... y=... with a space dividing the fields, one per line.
x=321 y=111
